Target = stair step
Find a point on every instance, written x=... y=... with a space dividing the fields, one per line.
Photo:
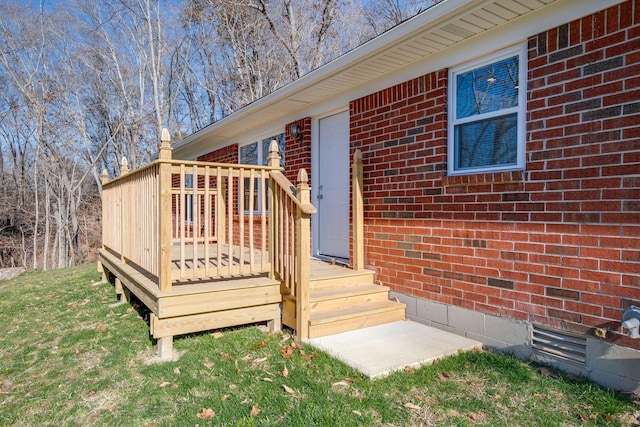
x=322 y=323
x=349 y=296
x=340 y=278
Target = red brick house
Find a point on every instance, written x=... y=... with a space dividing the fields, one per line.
x=501 y=155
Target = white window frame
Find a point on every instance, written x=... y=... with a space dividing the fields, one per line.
x=520 y=109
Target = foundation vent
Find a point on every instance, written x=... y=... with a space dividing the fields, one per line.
x=569 y=348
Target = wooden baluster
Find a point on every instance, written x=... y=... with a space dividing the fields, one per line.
x=303 y=254
x=241 y=179
x=207 y=220
x=183 y=221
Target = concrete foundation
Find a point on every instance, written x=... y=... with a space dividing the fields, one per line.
x=607 y=364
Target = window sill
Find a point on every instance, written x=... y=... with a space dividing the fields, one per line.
x=505 y=177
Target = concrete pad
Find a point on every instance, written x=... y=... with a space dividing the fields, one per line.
x=380 y=350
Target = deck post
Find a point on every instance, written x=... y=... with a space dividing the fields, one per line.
x=165 y=348
x=303 y=257
x=273 y=160
x=164 y=213
x=358 y=211
x=101 y=269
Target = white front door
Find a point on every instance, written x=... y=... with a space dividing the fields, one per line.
x=332 y=195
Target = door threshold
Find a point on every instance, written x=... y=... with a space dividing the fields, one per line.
x=333 y=260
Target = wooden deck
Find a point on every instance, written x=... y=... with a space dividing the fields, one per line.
x=210 y=245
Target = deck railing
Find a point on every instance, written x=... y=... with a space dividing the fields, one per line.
x=180 y=221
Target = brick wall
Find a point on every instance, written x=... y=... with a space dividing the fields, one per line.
x=298 y=150
x=228 y=154
x=557 y=244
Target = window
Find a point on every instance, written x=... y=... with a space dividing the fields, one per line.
x=486 y=115
x=249 y=155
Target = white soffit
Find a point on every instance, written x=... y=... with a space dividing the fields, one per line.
x=437 y=29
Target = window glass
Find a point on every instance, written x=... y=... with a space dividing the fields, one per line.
x=489 y=88
x=249 y=154
x=487 y=142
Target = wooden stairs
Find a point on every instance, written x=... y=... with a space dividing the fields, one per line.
x=343 y=300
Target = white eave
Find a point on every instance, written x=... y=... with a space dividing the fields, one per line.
x=437 y=29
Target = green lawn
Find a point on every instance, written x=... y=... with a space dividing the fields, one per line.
x=68 y=356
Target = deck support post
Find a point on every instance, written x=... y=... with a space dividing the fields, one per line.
x=165 y=348
x=358 y=211
x=303 y=257
x=275 y=325
x=165 y=220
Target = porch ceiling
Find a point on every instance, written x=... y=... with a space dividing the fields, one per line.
x=434 y=30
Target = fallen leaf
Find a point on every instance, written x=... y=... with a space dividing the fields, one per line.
x=132 y=362
x=286 y=351
x=358 y=413
x=101 y=327
x=412 y=406
x=208 y=364
x=288 y=389
x=49 y=327
x=308 y=356
x=206 y=414
x=351 y=380
x=79 y=352
x=537 y=394
x=259 y=345
x=436 y=361
x=53 y=295
x=227 y=356
x=444 y=376
x=467 y=364
x=254 y=410
x=73 y=305
x=233 y=386
x=111 y=408
x=420 y=398
x=177 y=370
x=130 y=309
x=165 y=383
x=217 y=335
x=409 y=369
x=544 y=372
x=224 y=397
x=91 y=393
x=285 y=372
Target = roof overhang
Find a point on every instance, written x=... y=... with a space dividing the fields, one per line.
x=439 y=28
